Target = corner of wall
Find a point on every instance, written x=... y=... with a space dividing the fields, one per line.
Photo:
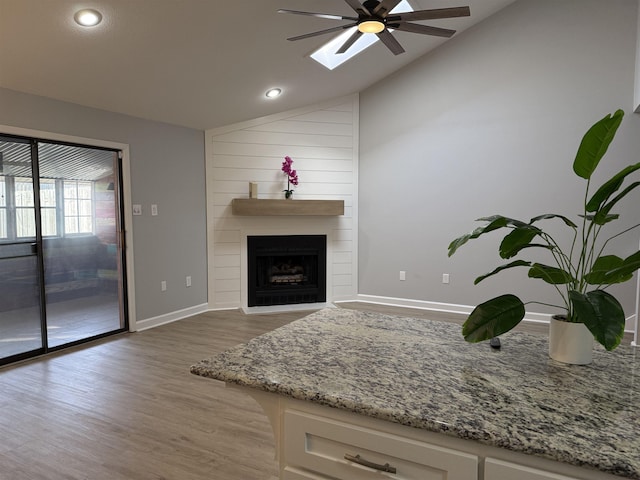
x=323 y=141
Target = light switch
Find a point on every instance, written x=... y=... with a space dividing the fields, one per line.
x=137 y=209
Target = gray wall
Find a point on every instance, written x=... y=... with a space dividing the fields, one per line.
x=167 y=168
x=490 y=123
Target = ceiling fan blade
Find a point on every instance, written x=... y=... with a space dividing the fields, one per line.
x=430 y=14
x=322 y=32
x=350 y=41
x=319 y=15
x=390 y=41
x=385 y=7
x=424 y=29
x=358 y=7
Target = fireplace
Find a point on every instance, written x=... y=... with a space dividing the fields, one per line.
x=286 y=269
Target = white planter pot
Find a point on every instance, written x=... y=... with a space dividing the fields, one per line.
x=570 y=342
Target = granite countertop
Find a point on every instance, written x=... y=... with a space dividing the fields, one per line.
x=423 y=374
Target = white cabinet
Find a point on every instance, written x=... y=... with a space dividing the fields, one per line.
x=320 y=443
x=499 y=470
x=340 y=450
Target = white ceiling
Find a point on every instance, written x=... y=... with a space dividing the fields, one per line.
x=196 y=63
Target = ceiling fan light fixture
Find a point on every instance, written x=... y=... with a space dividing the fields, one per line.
x=88 y=17
x=273 y=92
x=371 y=26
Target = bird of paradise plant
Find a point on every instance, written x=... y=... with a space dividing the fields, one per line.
x=582 y=271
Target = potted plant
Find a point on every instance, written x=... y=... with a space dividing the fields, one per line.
x=292 y=176
x=581 y=271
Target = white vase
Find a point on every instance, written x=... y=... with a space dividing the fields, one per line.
x=570 y=342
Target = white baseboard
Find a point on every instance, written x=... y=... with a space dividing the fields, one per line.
x=295 y=307
x=169 y=317
x=453 y=309
x=449 y=308
x=461 y=310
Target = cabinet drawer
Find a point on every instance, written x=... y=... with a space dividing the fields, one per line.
x=499 y=470
x=320 y=444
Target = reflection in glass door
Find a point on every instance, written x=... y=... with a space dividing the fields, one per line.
x=20 y=282
x=80 y=225
x=61 y=261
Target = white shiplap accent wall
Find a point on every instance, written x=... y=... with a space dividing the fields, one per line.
x=322 y=140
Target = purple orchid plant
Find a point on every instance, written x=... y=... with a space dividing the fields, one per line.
x=292 y=176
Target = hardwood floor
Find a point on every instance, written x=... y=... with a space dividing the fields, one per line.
x=127 y=407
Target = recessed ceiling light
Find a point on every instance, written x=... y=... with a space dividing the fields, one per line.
x=88 y=17
x=273 y=92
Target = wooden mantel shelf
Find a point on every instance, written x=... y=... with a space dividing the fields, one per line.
x=265 y=206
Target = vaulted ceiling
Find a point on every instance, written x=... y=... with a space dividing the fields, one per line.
x=196 y=63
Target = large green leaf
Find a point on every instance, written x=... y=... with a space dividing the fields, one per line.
x=552 y=275
x=517 y=263
x=629 y=265
x=602 y=216
x=499 y=219
x=458 y=242
x=600 y=273
x=595 y=144
x=493 y=223
x=548 y=216
x=602 y=221
x=518 y=239
x=493 y=318
x=609 y=187
x=602 y=314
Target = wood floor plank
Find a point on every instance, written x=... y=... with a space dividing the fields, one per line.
x=128 y=408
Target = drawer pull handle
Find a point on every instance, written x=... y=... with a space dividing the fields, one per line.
x=366 y=463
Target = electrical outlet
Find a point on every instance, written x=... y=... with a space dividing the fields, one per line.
x=403 y=275
x=163 y=286
x=137 y=209
x=187 y=280
x=445 y=278
x=154 y=210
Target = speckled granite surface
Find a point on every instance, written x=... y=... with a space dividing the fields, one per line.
x=423 y=374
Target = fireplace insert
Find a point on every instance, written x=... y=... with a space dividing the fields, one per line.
x=286 y=269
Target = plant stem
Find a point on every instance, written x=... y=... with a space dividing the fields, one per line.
x=563 y=262
x=584 y=257
x=546 y=304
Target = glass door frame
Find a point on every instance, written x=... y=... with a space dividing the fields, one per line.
x=123 y=260
x=16 y=242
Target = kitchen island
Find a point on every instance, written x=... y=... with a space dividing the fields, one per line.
x=352 y=394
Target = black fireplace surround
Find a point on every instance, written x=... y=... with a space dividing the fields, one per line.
x=286 y=269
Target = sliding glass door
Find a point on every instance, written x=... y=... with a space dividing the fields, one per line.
x=61 y=259
x=20 y=276
x=80 y=218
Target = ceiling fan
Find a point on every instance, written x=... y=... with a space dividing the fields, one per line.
x=375 y=16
